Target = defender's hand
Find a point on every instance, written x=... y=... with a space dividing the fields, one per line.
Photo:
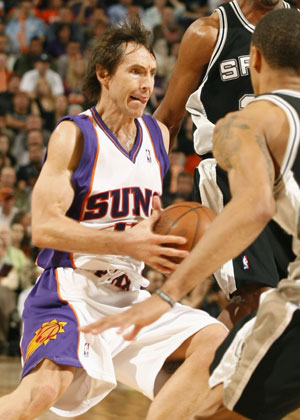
x=130 y=322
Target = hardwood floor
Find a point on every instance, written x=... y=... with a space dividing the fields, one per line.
x=121 y=404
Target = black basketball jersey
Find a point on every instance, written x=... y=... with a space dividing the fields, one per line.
x=287 y=186
x=226 y=85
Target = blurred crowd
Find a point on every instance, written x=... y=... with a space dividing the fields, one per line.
x=44 y=48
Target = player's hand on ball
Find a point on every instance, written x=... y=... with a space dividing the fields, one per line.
x=155 y=250
x=131 y=321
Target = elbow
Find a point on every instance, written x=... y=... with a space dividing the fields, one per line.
x=39 y=236
x=265 y=206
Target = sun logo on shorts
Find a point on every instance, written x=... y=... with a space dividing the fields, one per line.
x=48 y=331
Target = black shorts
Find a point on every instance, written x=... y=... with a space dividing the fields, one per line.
x=265 y=261
x=273 y=390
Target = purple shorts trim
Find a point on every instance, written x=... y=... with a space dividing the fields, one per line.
x=50 y=326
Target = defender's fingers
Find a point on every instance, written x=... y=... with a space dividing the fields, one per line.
x=171 y=239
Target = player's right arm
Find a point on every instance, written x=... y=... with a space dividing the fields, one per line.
x=53 y=195
x=195 y=51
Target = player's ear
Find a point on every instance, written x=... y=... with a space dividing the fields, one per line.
x=255 y=58
x=102 y=75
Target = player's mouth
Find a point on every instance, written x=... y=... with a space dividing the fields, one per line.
x=142 y=99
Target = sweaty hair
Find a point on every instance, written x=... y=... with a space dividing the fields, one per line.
x=277 y=35
x=109 y=51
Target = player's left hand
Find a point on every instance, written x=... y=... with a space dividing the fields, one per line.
x=130 y=322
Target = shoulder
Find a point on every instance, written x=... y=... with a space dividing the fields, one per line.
x=30 y=73
x=199 y=39
x=65 y=144
x=203 y=29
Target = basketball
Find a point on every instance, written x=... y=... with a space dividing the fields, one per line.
x=188 y=219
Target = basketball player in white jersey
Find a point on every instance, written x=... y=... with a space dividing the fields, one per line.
x=102 y=175
x=211 y=78
x=256 y=371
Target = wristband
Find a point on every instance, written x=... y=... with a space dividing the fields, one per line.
x=165 y=297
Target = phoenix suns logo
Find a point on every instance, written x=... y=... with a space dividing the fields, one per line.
x=48 y=331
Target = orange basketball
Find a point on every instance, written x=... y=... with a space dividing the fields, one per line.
x=188 y=219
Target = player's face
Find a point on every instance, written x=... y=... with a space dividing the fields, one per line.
x=131 y=85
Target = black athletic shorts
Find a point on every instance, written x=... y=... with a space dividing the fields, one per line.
x=265 y=261
x=273 y=390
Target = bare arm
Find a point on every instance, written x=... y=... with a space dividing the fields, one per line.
x=53 y=195
x=194 y=54
x=240 y=148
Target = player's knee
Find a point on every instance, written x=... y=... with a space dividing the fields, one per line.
x=44 y=396
x=208 y=339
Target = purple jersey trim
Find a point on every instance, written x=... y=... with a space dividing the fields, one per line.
x=81 y=180
x=44 y=309
x=158 y=143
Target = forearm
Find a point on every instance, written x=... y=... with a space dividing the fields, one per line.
x=65 y=234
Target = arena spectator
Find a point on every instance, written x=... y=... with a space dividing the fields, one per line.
x=86 y=10
x=35 y=124
x=8 y=298
x=6 y=158
x=41 y=69
x=61 y=107
x=8 y=177
x=3 y=129
x=45 y=103
x=51 y=13
x=16 y=119
x=7 y=207
x=58 y=46
x=73 y=81
x=153 y=15
x=65 y=15
x=4 y=44
x=4 y=72
x=117 y=12
x=93 y=33
x=64 y=61
x=6 y=98
x=25 y=62
x=23 y=26
x=31 y=170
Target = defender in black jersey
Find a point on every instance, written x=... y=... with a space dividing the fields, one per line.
x=214 y=62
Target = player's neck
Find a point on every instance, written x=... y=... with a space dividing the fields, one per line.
x=254 y=10
x=278 y=81
x=124 y=128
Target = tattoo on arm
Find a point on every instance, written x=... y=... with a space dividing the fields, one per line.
x=263 y=147
x=226 y=145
